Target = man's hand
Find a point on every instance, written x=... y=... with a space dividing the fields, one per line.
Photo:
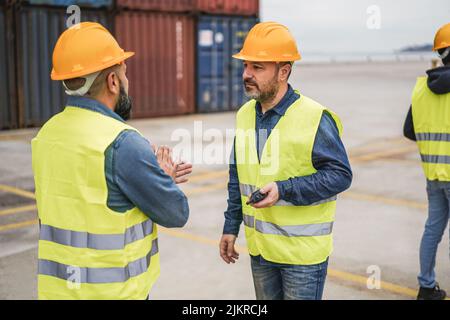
x=272 y=196
x=164 y=157
x=183 y=169
x=227 y=251
x=178 y=171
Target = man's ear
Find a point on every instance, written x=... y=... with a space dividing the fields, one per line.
x=113 y=83
x=284 y=72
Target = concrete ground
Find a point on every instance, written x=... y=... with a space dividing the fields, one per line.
x=379 y=220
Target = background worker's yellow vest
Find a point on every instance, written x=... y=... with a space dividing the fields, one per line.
x=431 y=118
x=284 y=233
x=86 y=250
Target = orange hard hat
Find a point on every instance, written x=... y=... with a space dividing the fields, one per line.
x=269 y=41
x=442 y=38
x=83 y=49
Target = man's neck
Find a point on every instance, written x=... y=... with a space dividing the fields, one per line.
x=267 y=105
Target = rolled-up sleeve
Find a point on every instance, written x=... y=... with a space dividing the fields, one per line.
x=139 y=176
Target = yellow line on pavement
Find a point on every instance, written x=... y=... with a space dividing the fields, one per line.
x=341 y=275
x=17 y=191
x=385 y=200
x=18 y=225
x=17 y=210
x=208 y=188
x=209 y=175
x=382 y=154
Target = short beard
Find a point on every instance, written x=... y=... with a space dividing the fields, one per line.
x=267 y=95
x=124 y=105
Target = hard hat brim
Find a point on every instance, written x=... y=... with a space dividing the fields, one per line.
x=441 y=46
x=241 y=56
x=83 y=72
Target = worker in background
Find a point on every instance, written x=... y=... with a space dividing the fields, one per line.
x=100 y=187
x=427 y=123
x=289 y=147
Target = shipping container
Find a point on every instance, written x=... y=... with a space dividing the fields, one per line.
x=158 y=5
x=8 y=105
x=219 y=76
x=66 y=3
x=161 y=74
x=228 y=7
x=37 y=31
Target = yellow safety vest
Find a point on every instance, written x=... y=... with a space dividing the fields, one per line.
x=431 y=118
x=284 y=233
x=86 y=250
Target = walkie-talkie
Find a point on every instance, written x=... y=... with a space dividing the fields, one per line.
x=256 y=196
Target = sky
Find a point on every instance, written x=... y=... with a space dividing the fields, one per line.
x=341 y=26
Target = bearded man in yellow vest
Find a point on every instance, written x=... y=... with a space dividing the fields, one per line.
x=100 y=187
x=428 y=123
x=288 y=165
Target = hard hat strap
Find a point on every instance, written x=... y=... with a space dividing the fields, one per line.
x=445 y=54
x=85 y=88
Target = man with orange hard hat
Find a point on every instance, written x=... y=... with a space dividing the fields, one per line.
x=427 y=123
x=289 y=165
x=100 y=188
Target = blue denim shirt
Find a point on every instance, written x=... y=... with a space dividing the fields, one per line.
x=134 y=177
x=329 y=158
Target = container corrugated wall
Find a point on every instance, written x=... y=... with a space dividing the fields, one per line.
x=219 y=76
x=38 y=29
x=158 y=5
x=161 y=74
x=229 y=7
x=8 y=109
x=66 y=3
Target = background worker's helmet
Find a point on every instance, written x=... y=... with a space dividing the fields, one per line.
x=442 y=38
x=269 y=41
x=84 y=49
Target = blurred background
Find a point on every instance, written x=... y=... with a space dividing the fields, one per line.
x=359 y=58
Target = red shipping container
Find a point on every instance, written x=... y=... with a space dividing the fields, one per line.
x=232 y=7
x=158 y=5
x=161 y=74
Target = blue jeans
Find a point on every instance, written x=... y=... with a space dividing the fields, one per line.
x=275 y=281
x=438 y=216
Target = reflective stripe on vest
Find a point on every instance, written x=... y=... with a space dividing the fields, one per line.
x=98 y=275
x=307 y=230
x=96 y=241
x=432 y=158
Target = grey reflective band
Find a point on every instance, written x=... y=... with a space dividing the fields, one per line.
x=249 y=221
x=96 y=241
x=429 y=158
x=429 y=136
x=97 y=275
x=247 y=190
x=305 y=230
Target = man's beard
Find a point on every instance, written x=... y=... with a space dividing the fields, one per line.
x=262 y=96
x=124 y=104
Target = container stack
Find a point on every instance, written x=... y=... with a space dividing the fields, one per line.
x=8 y=109
x=161 y=74
x=182 y=64
x=38 y=24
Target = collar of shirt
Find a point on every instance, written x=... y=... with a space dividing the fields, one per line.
x=93 y=105
x=281 y=107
